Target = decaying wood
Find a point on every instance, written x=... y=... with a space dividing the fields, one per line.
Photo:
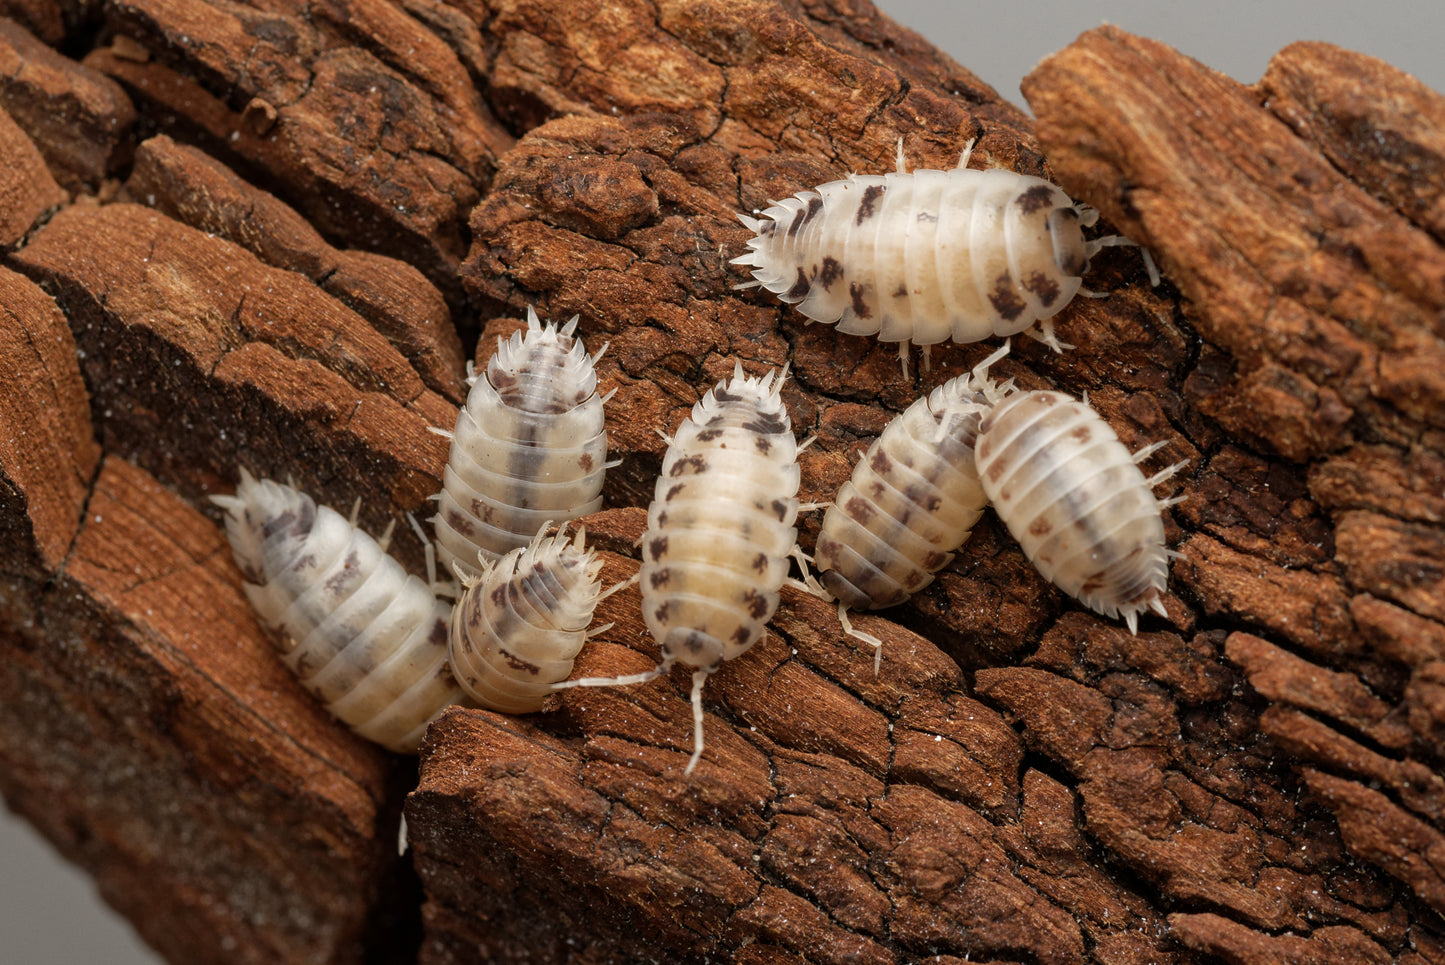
x=271 y=261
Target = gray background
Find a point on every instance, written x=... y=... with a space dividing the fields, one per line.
x=49 y=912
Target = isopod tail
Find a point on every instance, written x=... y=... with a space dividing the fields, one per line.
x=699 y=679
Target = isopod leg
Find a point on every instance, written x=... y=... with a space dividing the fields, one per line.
x=699 y=678
x=1044 y=332
x=857 y=634
x=903 y=348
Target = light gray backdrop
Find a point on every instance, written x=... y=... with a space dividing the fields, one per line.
x=49 y=912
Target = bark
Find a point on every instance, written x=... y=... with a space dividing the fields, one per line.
x=260 y=236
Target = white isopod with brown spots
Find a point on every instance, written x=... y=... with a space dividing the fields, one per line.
x=926 y=256
x=720 y=529
x=519 y=625
x=1072 y=495
x=529 y=447
x=365 y=637
x=913 y=499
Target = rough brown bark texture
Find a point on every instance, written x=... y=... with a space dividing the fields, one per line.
x=261 y=235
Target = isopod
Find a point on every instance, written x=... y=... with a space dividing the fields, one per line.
x=529 y=447
x=924 y=256
x=913 y=499
x=519 y=625
x=720 y=529
x=1072 y=495
x=362 y=635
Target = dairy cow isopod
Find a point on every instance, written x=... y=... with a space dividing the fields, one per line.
x=923 y=256
x=720 y=528
x=1073 y=496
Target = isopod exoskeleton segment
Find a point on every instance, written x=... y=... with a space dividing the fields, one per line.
x=1072 y=495
x=912 y=500
x=925 y=256
x=529 y=447
x=366 y=638
x=519 y=625
x=720 y=529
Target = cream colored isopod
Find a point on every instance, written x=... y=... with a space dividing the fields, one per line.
x=924 y=256
x=519 y=625
x=365 y=637
x=913 y=499
x=1073 y=496
x=529 y=447
x=720 y=528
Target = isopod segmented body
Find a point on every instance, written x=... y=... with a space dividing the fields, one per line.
x=720 y=529
x=519 y=625
x=925 y=256
x=1073 y=496
x=913 y=498
x=529 y=447
x=361 y=634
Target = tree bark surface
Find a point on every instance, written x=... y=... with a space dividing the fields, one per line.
x=267 y=236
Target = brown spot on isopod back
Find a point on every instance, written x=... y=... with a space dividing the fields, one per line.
x=1005 y=299
x=708 y=435
x=657 y=547
x=668 y=497
x=584 y=462
x=760 y=563
x=499 y=595
x=925 y=496
x=740 y=636
x=768 y=423
x=1041 y=526
x=345 y=575
x=1043 y=286
x=780 y=509
x=660 y=614
x=688 y=466
x=901 y=291
x=518 y=664
x=880 y=463
x=932 y=560
x=867 y=206
x=756 y=603
x=830 y=273
x=1036 y=198
x=762 y=444
x=1081 y=434
x=995 y=471
x=804 y=215
x=927 y=217
x=859 y=508
x=660 y=577
x=860 y=302
x=796 y=293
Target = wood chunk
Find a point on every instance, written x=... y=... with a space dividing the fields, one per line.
x=80 y=119
x=27 y=190
x=380 y=138
x=1240 y=945
x=197 y=190
x=1024 y=781
x=1307 y=608
x=48 y=454
x=1283 y=677
x=269 y=372
x=1385 y=143
x=1293 y=269
x=1378 y=830
x=122 y=747
x=1404 y=562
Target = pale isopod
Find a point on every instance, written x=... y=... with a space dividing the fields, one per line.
x=366 y=638
x=720 y=528
x=519 y=625
x=913 y=499
x=925 y=256
x=1072 y=495
x=529 y=447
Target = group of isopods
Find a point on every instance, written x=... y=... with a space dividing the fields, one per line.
x=914 y=257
